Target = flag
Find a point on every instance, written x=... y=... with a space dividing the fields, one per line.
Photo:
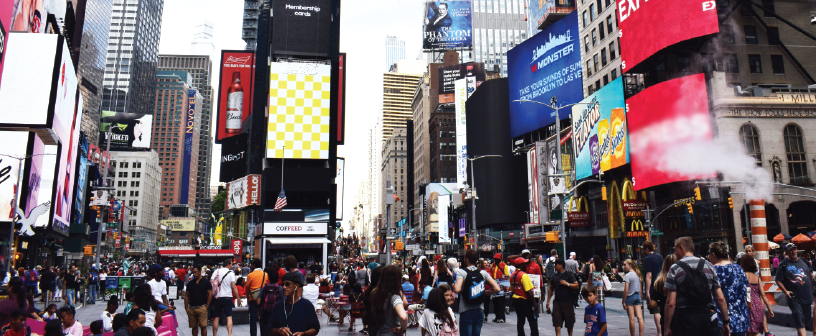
x=281 y=202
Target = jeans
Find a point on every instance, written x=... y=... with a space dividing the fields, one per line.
x=525 y=311
x=92 y=293
x=70 y=295
x=253 y=319
x=470 y=322
x=172 y=312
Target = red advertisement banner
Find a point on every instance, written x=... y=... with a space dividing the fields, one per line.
x=234 y=92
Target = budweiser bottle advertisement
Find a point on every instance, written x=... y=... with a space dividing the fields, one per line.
x=235 y=105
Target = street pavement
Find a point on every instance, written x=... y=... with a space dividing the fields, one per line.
x=617 y=323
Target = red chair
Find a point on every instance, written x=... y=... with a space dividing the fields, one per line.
x=357 y=312
x=338 y=305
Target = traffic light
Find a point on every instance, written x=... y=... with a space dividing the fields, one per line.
x=731 y=202
x=697 y=195
x=690 y=208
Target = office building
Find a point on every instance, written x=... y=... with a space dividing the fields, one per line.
x=600 y=46
x=200 y=68
x=398 y=91
x=138 y=184
x=202 y=43
x=498 y=26
x=393 y=172
x=373 y=210
x=93 y=46
x=170 y=133
x=442 y=149
x=250 y=24
x=133 y=52
x=394 y=51
x=422 y=107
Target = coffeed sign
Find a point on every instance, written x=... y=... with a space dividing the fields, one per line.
x=295 y=228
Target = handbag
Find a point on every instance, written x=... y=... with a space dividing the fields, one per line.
x=607 y=283
x=254 y=294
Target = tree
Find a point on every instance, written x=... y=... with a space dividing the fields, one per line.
x=219 y=201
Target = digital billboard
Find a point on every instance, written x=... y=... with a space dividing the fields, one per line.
x=189 y=132
x=234 y=92
x=641 y=35
x=243 y=192
x=546 y=65
x=66 y=125
x=339 y=180
x=180 y=224
x=683 y=118
x=29 y=16
x=299 y=111
x=342 y=62
x=302 y=27
x=447 y=25
x=233 y=158
x=129 y=131
x=14 y=144
x=449 y=74
x=599 y=131
x=6 y=7
x=436 y=218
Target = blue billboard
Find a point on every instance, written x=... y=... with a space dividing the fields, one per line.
x=546 y=65
x=447 y=25
x=189 y=129
x=599 y=131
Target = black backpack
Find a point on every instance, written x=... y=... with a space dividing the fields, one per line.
x=695 y=286
x=550 y=269
x=473 y=287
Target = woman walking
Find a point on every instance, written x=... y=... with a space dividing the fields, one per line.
x=388 y=303
x=759 y=302
x=658 y=292
x=733 y=283
x=442 y=276
x=631 y=302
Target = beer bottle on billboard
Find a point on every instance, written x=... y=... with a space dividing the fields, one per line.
x=235 y=102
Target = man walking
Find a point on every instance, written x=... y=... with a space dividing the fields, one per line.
x=225 y=279
x=652 y=266
x=93 y=283
x=562 y=285
x=571 y=266
x=691 y=283
x=32 y=279
x=256 y=279
x=47 y=285
x=793 y=279
x=471 y=302
x=197 y=302
x=523 y=298
x=498 y=271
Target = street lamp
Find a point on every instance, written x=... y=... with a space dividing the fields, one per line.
x=554 y=106
x=473 y=196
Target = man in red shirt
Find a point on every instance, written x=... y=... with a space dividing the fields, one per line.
x=181 y=279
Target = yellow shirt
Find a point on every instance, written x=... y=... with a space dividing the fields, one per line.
x=526 y=285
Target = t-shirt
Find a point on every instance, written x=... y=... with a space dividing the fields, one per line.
x=431 y=321
x=390 y=318
x=654 y=264
x=197 y=291
x=407 y=287
x=158 y=288
x=677 y=275
x=372 y=265
x=244 y=271
x=281 y=273
x=634 y=283
x=299 y=317
x=571 y=266
x=521 y=284
x=315 y=268
x=311 y=293
x=593 y=317
x=563 y=293
x=776 y=262
x=73 y=330
x=47 y=279
x=32 y=274
x=461 y=274
x=256 y=279
x=795 y=276
x=9 y=305
x=425 y=292
x=181 y=274
x=362 y=276
x=107 y=321
x=225 y=291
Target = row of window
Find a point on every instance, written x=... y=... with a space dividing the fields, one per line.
x=443 y=134
x=125 y=164
x=123 y=193
x=133 y=174
x=597 y=63
x=606 y=79
x=731 y=64
x=124 y=183
x=795 y=153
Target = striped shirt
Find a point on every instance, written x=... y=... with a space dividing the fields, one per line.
x=677 y=275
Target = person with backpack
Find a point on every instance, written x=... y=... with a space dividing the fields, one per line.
x=271 y=293
x=793 y=277
x=197 y=300
x=733 y=279
x=472 y=285
x=523 y=298
x=93 y=284
x=32 y=280
x=690 y=285
x=224 y=289
x=562 y=285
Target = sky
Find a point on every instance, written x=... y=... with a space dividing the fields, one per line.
x=363 y=28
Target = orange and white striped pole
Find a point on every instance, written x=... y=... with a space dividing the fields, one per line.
x=759 y=237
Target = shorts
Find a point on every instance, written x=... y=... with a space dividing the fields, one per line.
x=563 y=313
x=222 y=305
x=180 y=286
x=801 y=314
x=634 y=300
x=197 y=316
x=655 y=310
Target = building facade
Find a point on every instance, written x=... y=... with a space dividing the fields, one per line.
x=442 y=145
x=250 y=25
x=170 y=136
x=393 y=171
x=91 y=64
x=600 y=46
x=422 y=106
x=394 y=51
x=138 y=183
x=200 y=68
x=398 y=91
x=498 y=26
x=133 y=52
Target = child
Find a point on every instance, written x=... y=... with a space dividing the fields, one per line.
x=70 y=326
x=53 y=328
x=109 y=313
x=50 y=313
x=129 y=299
x=17 y=326
x=96 y=328
x=594 y=314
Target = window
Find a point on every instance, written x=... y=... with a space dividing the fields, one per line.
x=592 y=12
x=590 y=90
x=586 y=43
x=750 y=140
x=751 y=35
x=795 y=150
x=594 y=37
x=586 y=20
x=123 y=174
x=728 y=34
x=121 y=183
x=755 y=64
x=441 y=134
x=614 y=74
x=601 y=30
x=683 y=62
x=605 y=79
x=731 y=63
x=777 y=64
x=603 y=57
x=612 y=50
x=769 y=5
x=589 y=68
x=600 y=7
x=597 y=85
x=773 y=36
x=595 y=61
x=135 y=174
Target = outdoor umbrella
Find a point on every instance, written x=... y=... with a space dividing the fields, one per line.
x=781 y=237
x=773 y=245
x=801 y=239
x=811 y=234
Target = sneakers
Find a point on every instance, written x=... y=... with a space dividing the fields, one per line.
x=333 y=318
x=499 y=321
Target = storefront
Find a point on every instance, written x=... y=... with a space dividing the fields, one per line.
x=306 y=241
x=205 y=255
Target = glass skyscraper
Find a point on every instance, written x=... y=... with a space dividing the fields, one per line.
x=498 y=26
x=91 y=65
x=394 y=51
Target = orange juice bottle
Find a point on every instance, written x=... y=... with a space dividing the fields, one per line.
x=604 y=144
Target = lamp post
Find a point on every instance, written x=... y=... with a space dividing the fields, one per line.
x=554 y=106
x=473 y=197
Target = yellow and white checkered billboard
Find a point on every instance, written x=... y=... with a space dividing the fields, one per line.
x=299 y=95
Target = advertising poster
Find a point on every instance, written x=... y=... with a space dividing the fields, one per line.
x=35 y=169
x=462 y=95
x=234 y=92
x=244 y=192
x=66 y=125
x=6 y=7
x=683 y=118
x=29 y=16
x=532 y=186
x=432 y=194
x=233 y=157
x=189 y=131
x=82 y=183
x=299 y=111
x=547 y=65
x=541 y=180
x=179 y=224
x=447 y=25
x=558 y=185
x=600 y=131
x=301 y=27
x=449 y=74
x=339 y=180
x=444 y=203
x=641 y=35
x=31 y=66
x=15 y=144
x=129 y=131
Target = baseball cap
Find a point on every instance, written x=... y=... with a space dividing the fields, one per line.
x=154 y=269
x=405 y=276
x=519 y=261
x=525 y=251
x=497 y=256
x=790 y=246
x=437 y=257
x=572 y=254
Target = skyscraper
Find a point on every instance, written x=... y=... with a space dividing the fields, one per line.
x=394 y=51
x=398 y=91
x=203 y=39
x=250 y=26
x=199 y=68
x=91 y=65
x=133 y=52
x=498 y=26
x=138 y=184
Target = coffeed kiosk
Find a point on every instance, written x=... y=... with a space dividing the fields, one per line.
x=307 y=241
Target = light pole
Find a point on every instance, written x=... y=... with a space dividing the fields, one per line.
x=473 y=197
x=554 y=106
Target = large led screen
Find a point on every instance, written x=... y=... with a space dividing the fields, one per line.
x=6 y=7
x=302 y=27
x=64 y=184
x=189 y=133
x=32 y=66
x=129 y=131
x=15 y=145
x=233 y=158
x=661 y=119
x=546 y=65
x=647 y=27
x=299 y=111
x=447 y=25
x=599 y=131
x=234 y=93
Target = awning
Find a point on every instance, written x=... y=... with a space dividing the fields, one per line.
x=178 y=253
x=304 y=240
x=216 y=253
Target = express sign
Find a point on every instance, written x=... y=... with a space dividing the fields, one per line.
x=296 y=228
